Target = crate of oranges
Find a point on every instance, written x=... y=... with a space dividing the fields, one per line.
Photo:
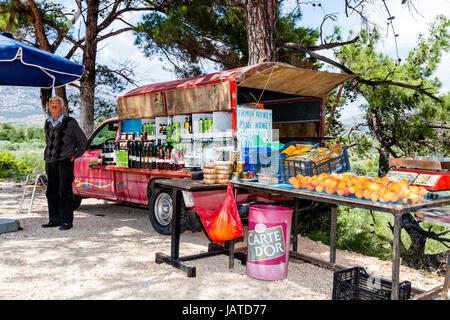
x=349 y=185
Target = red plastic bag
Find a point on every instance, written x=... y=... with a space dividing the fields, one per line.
x=223 y=223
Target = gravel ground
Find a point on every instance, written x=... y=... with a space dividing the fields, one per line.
x=110 y=254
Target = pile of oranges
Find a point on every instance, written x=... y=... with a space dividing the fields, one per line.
x=374 y=189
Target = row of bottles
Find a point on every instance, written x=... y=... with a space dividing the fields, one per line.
x=149 y=155
x=174 y=130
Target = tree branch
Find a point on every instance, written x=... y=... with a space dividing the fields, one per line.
x=114 y=33
x=302 y=49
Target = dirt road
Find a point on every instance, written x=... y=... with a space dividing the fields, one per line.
x=110 y=254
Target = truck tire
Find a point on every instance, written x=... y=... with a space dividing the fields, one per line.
x=160 y=211
x=76 y=202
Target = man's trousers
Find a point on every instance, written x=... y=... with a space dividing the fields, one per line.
x=59 y=191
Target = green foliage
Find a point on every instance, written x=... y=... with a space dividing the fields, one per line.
x=402 y=121
x=360 y=231
x=188 y=33
x=10 y=167
x=26 y=144
x=17 y=133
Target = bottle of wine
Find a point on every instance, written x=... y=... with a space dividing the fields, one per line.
x=139 y=155
x=153 y=155
x=147 y=156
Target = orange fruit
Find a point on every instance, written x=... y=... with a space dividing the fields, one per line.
x=374 y=197
x=341 y=184
x=400 y=193
x=414 y=197
x=354 y=179
x=352 y=189
x=385 y=180
x=395 y=186
x=330 y=182
x=404 y=182
x=309 y=187
x=372 y=187
x=383 y=198
x=340 y=191
x=292 y=180
x=330 y=189
x=359 y=186
x=299 y=176
x=422 y=191
x=388 y=196
x=319 y=188
x=359 y=194
x=394 y=197
x=367 y=194
x=296 y=184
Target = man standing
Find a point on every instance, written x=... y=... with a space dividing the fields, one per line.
x=65 y=141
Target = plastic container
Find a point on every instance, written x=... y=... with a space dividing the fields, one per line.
x=338 y=164
x=269 y=230
x=356 y=284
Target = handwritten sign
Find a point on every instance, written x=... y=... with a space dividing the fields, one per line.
x=251 y=122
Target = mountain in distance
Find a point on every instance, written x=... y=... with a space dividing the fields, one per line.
x=22 y=105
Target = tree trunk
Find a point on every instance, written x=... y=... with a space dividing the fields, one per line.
x=415 y=256
x=383 y=165
x=61 y=92
x=87 y=83
x=260 y=22
x=46 y=94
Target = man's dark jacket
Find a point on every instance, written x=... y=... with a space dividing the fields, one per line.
x=64 y=140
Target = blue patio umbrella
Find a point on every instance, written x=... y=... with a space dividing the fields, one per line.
x=23 y=65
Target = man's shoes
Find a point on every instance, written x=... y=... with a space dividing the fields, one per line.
x=66 y=226
x=51 y=224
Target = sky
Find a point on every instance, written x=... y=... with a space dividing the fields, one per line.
x=408 y=23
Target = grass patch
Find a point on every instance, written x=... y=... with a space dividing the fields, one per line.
x=355 y=232
x=31 y=153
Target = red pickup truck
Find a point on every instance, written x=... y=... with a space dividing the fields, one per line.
x=295 y=96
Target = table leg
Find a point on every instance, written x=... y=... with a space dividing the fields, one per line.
x=295 y=226
x=396 y=257
x=231 y=254
x=174 y=259
x=175 y=244
x=333 y=234
x=444 y=294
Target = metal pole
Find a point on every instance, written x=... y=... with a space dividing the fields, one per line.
x=295 y=226
x=333 y=234
x=396 y=257
x=175 y=243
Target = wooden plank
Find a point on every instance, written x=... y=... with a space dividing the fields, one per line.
x=189 y=185
x=32 y=187
x=162 y=173
x=427 y=295
x=416 y=164
x=205 y=98
x=141 y=106
x=318 y=262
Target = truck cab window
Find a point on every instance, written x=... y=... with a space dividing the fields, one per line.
x=106 y=133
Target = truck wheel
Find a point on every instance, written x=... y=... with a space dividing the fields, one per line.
x=76 y=202
x=161 y=211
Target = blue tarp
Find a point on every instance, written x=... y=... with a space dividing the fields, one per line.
x=26 y=66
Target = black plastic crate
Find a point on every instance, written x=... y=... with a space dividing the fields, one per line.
x=339 y=164
x=356 y=284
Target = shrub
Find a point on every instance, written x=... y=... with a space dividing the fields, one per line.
x=10 y=167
